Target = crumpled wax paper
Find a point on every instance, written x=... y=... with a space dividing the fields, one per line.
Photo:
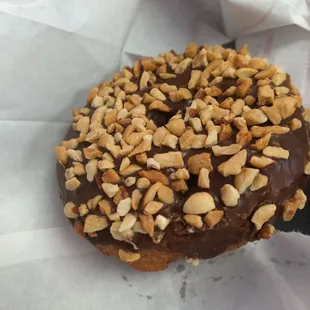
x=51 y=53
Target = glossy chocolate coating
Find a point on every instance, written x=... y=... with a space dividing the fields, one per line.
x=284 y=178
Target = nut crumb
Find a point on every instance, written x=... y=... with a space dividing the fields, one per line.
x=262 y=215
x=226 y=150
x=245 y=179
x=276 y=152
x=212 y=218
x=95 y=223
x=259 y=182
x=233 y=165
x=261 y=162
x=128 y=257
x=62 y=155
x=229 y=195
x=295 y=124
x=196 y=162
x=203 y=179
x=193 y=220
x=199 y=203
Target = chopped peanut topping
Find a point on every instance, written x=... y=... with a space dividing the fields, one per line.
x=229 y=195
x=212 y=218
x=233 y=165
x=150 y=137
x=263 y=214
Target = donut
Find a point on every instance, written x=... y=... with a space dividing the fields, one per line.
x=185 y=156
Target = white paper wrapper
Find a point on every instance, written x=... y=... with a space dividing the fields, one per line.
x=51 y=54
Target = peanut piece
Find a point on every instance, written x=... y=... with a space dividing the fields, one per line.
x=245 y=179
x=258 y=132
x=237 y=107
x=306 y=115
x=295 y=124
x=182 y=174
x=239 y=123
x=143 y=183
x=159 y=105
x=267 y=231
x=233 y=165
x=226 y=150
x=167 y=76
x=71 y=210
x=153 y=207
x=243 y=88
x=225 y=132
x=267 y=73
x=114 y=230
x=263 y=214
x=154 y=176
x=261 y=162
x=62 y=155
x=138 y=228
x=212 y=138
x=243 y=137
x=159 y=135
x=262 y=142
x=110 y=189
x=197 y=162
x=281 y=90
x=75 y=155
x=203 y=179
x=229 y=195
x=124 y=206
x=170 y=159
x=183 y=65
x=128 y=222
x=195 y=77
x=199 y=203
x=258 y=63
x=193 y=220
x=147 y=222
x=95 y=223
x=166 y=88
x=72 y=184
x=196 y=124
x=245 y=72
x=278 y=78
x=277 y=152
x=254 y=117
x=201 y=59
x=286 y=106
x=290 y=207
x=128 y=257
x=105 y=207
x=191 y=50
x=83 y=210
x=180 y=186
x=92 y=203
x=265 y=95
x=176 y=127
x=130 y=181
x=145 y=78
x=165 y=194
x=259 y=182
x=151 y=193
x=136 y=197
x=212 y=218
x=161 y=222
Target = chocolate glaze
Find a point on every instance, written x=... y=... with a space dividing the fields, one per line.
x=284 y=178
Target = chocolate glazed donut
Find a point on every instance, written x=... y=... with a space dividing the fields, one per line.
x=186 y=155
